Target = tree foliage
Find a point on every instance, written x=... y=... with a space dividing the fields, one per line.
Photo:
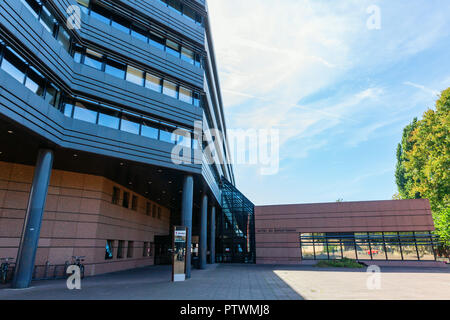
x=423 y=162
x=402 y=178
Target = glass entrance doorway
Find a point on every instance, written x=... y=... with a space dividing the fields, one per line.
x=235 y=241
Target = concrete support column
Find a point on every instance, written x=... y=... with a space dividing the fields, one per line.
x=203 y=232
x=212 y=243
x=186 y=217
x=33 y=219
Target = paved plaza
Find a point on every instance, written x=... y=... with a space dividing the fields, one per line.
x=237 y=282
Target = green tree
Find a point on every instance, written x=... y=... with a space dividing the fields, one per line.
x=428 y=165
x=403 y=180
x=442 y=224
x=423 y=162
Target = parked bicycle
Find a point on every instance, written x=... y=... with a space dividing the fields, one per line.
x=4 y=268
x=77 y=261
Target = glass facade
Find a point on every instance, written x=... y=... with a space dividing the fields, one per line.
x=108 y=116
x=410 y=246
x=147 y=33
x=235 y=227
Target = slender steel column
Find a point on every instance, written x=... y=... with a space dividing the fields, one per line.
x=33 y=219
x=203 y=232
x=212 y=240
x=186 y=217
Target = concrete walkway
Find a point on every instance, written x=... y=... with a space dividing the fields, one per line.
x=255 y=282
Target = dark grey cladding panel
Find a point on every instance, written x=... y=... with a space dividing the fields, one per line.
x=18 y=20
x=23 y=107
x=117 y=41
x=156 y=11
x=159 y=12
x=86 y=80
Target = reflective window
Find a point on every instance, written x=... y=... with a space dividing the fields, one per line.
x=115 y=68
x=109 y=118
x=149 y=130
x=78 y=53
x=187 y=55
x=307 y=246
x=320 y=246
x=153 y=82
x=348 y=246
x=362 y=246
x=84 y=5
x=14 y=65
x=369 y=245
x=52 y=95
x=121 y=24
x=135 y=75
x=43 y=13
x=196 y=99
x=165 y=135
x=47 y=19
x=173 y=48
x=377 y=245
x=185 y=95
x=139 y=33
x=156 y=40
x=334 y=247
x=34 y=6
x=170 y=89
x=35 y=82
x=175 y=5
x=64 y=39
x=198 y=60
x=82 y=112
x=100 y=13
x=120 y=246
x=129 y=124
x=189 y=13
x=184 y=138
x=93 y=59
x=67 y=109
x=109 y=249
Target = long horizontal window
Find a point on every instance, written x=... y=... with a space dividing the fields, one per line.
x=25 y=73
x=42 y=12
x=150 y=35
x=135 y=75
x=370 y=246
x=87 y=110
x=120 y=119
x=184 y=10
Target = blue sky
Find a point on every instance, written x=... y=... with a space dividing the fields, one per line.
x=339 y=92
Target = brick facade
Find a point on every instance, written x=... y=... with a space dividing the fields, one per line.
x=79 y=217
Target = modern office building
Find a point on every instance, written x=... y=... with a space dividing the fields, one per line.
x=96 y=99
x=92 y=107
x=376 y=232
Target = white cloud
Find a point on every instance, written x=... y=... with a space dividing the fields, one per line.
x=433 y=92
x=273 y=54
